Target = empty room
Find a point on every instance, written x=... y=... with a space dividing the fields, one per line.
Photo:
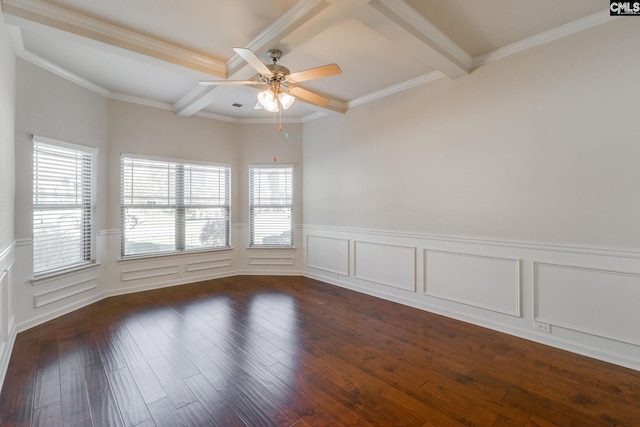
x=319 y=213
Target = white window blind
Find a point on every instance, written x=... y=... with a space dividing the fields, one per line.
x=171 y=206
x=271 y=205
x=63 y=198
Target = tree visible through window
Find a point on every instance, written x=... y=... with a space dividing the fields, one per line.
x=63 y=198
x=171 y=206
x=271 y=205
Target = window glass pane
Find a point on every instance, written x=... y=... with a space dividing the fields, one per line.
x=206 y=185
x=57 y=238
x=271 y=226
x=148 y=182
x=170 y=206
x=206 y=228
x=62 y=206
x=271 y=205
x=149 y=230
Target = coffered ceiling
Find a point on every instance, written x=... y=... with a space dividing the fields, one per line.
x=154 y=52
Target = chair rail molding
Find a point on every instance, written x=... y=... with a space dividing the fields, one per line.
x=508 y=286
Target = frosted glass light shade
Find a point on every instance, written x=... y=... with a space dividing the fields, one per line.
x=286 y=100
x=268 y=101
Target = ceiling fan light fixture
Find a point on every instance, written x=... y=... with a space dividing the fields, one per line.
x=286 y=100
x=280 y=81
x=268 y=101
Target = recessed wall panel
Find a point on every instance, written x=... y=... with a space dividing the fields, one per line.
x=481 y=281
x=328 y=253
x=4 y=306
x=390 y=265
x=65 y=291
x=149 y=272
x=589 y=300
x=207 y=264
x=270 y=260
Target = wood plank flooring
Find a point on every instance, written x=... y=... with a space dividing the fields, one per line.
x=285 y=351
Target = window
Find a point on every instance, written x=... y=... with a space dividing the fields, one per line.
x=271 y=205
x=63 y=205
x=171 y=206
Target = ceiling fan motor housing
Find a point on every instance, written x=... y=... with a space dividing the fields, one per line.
x=278 y=71
x=278 y=80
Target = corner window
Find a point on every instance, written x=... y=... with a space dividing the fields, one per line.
x=63 y=205
x=271 y=205
x=173 y=206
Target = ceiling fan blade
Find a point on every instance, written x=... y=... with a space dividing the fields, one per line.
x=227 y=82
x=253 y=60
x=309 y=96
x=315 y=73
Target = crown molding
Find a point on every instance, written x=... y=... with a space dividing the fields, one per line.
x=190 y=104
x=313 y=116
x=269 y=121
x=215 y=116
x=27 y=55
x=57 y=17
x=250 y=120
x=408 y=84
x=548 y=36
x=141 y=101
x=204 y=114
x=449 y=58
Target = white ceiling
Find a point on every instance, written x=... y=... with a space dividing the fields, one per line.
x=154 y=52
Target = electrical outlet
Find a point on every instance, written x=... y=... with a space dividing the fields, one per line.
x=542 y=327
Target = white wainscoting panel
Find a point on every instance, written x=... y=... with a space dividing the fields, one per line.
x=149 y=272
x=390 y=265
x=6 y=293
x=271 y=260
x=210 y=264
x=65 y=291
x=7 y=329
x=328 y=253
x=509 y=286
x=5 y=306
x=589 y=300
x=481 y=281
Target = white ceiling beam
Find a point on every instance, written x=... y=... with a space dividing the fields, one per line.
x=439 y=50
x=63 y=19
x=196 y=100
x=337 y=11
x=286 y=24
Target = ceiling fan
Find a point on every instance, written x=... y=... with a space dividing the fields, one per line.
x=280 y=86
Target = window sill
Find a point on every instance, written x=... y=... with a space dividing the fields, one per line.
x=147 y=257
x=48 y=277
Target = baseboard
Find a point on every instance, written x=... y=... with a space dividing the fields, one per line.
x=76 y=305
x=5 y=355
x=530 y=336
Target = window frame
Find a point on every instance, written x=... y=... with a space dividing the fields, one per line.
x=179 y=207
x=252 y=244
x=88 y=205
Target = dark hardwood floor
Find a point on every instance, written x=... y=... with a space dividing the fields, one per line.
x=283 y=351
